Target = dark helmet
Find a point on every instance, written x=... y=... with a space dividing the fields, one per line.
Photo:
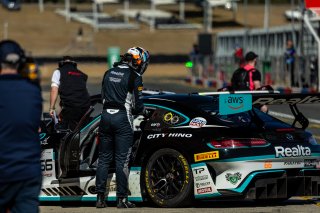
x=67 y=59
x=11 y=53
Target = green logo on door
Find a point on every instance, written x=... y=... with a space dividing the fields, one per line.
x=233 y=178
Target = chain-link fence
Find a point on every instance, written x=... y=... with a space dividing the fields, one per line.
x=303 y=73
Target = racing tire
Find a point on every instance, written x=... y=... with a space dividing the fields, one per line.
x=168 y=179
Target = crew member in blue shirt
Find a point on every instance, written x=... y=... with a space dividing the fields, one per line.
x=20 y=113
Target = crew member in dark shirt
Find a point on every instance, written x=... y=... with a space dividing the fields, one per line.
x=121 y=93
x=71 y=84
x=20 y=113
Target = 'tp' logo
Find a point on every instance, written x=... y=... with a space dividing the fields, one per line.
x=235 y=103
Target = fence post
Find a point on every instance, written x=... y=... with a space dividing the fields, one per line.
x=266 y=72
x=113 y=55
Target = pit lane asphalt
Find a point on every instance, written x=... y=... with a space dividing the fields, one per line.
x=294 y=205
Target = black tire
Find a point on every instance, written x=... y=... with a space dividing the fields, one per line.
x=168 y=179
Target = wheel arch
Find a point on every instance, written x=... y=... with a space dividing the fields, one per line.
x=144 y=160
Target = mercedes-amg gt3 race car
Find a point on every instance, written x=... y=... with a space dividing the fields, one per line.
x=192 y=146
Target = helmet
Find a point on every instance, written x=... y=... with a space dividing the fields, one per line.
x=11 y=53
x=136 y=57
x=145 y=60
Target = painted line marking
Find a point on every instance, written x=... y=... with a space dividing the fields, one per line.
x=314 y=200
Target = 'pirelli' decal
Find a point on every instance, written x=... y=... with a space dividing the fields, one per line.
x=206 y=156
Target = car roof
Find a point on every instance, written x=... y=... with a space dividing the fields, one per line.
x=182 y=98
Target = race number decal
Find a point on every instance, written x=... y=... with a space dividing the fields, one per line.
x=203 y=183
x=47 y=163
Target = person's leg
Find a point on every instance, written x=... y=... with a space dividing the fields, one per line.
x=106 y=147
x=123 y=146
x=7 y=195
x=71 y=117
x=27 y=198
x=291 y=67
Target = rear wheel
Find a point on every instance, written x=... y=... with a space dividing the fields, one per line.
x=168 y=179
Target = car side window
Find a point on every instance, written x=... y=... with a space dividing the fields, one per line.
x=165 y=118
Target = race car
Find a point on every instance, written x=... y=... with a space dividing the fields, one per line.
x=192 y=146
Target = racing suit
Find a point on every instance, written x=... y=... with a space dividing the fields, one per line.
x=121 y=94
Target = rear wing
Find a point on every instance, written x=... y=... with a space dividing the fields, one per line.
x=260 y=98
x=272 y=97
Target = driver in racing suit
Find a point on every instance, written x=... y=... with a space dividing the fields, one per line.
x=121 y=94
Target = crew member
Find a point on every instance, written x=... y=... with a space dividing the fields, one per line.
x=121 y=93
x=20 y=114
x=70 y=83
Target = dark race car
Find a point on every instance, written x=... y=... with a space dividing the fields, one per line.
x=192 y=146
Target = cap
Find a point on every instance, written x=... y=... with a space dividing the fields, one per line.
x=67 y=58
x=250 y=56
x=10 y=52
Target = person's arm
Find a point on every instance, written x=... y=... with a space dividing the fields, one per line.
x=257 y=84
x=137 y=92
x=102 y=88
x=53 y=99
x=55 y=83
x=256 y=78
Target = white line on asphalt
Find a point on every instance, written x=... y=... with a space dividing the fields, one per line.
x=283 y=115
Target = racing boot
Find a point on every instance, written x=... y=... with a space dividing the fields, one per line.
x=101 y=203
x=124 y=203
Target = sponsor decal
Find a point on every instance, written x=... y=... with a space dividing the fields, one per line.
x=199 y=185
x=112 y=111
x=140 y=88
x=206 y=156
x=310 y=162
x=292 y=163
x=268 y=165
x=292 y=151
x=155 y=125
x=169 y=135
x=171 y=118
x=45 y=141
x=233 y=178
x=117 y=73
x=47 y=174
x=116 y=80
x=306 y=100
x=289 y=137
x=204 y=190
x=235 y=103
x=203 y=177
x=42 y=136
x=198 y=122
x=199 y=170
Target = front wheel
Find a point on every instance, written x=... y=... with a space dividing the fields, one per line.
x=168 y=179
